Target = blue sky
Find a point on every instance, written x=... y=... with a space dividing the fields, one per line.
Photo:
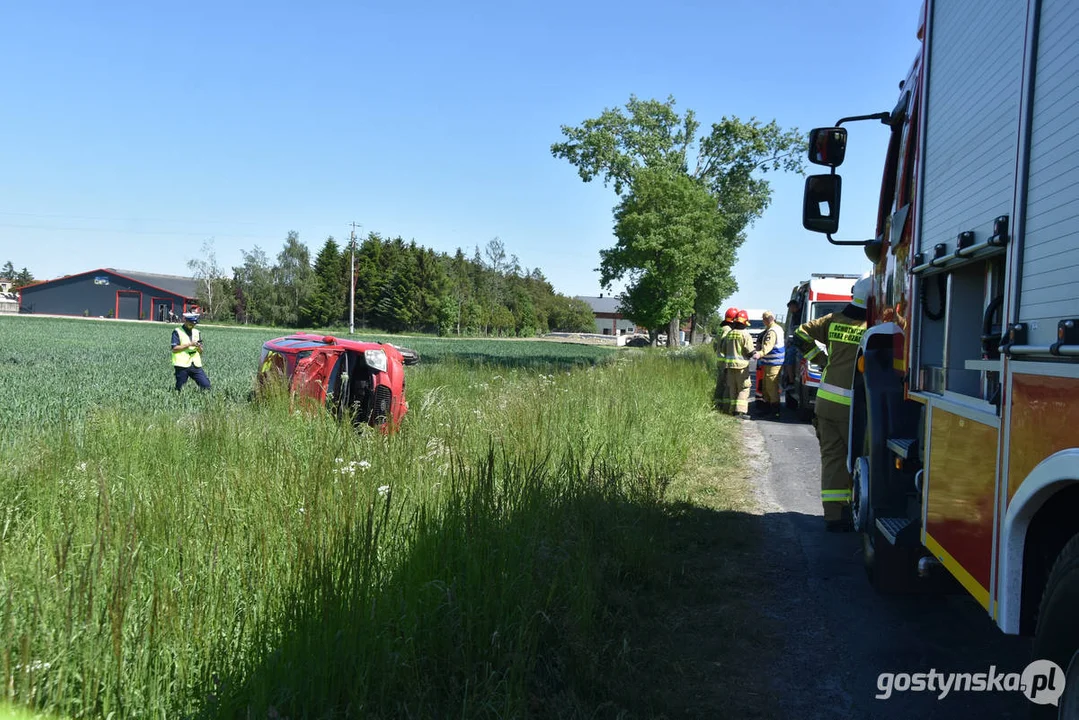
x=134 y=131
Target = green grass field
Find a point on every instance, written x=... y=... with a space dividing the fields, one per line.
x=202 y=556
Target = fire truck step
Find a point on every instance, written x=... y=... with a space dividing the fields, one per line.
x=903 y=447
x=891 y=527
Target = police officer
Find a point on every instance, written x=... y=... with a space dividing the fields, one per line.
x=187 y=353
x=720 y=397
x=770 y=358
x=841 y=333
x=737 y=348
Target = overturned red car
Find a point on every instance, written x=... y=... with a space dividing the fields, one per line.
x=364 y=381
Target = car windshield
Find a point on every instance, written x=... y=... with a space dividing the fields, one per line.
x=756 y=324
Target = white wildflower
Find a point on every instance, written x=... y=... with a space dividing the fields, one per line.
x=81 y=467
x=34 y=666
x=383 y=490
x=363 y=464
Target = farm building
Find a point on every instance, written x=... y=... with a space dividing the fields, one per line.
x=107 y=292
x=609 y=320
x=9 y=299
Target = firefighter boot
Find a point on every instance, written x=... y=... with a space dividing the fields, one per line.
x=843 y=524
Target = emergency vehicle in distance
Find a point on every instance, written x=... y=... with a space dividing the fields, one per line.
x=755 y=329
x=364 y=381
x=818 y=296
x=963 y=446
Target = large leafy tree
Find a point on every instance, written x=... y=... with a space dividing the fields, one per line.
x=669 y=235
x=294 y=281
x=254 y=285
x=651 y=154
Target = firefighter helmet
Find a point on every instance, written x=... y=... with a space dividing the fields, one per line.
x=743 y=317
x=731 y=315
x=860 y=291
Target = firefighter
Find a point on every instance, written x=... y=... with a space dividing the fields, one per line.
x=720 y=397
x=841 y=333
x=770 y=358
x=790 y=365
x=737 y=348
x=187 y=353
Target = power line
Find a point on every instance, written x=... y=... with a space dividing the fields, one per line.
x=59 y=216
x=119 y=231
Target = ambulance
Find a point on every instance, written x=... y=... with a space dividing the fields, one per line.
x=821 y=294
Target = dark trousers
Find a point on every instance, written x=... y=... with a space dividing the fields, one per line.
x=196 y=373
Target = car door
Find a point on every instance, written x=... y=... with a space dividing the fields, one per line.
x=311 y=378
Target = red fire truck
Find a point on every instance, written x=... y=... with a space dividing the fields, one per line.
x=964 y=448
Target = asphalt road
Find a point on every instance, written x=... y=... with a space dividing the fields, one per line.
x=842 y=634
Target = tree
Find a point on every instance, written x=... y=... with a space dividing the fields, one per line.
x=570 y=315
x=210 y=278
x=22 y=278
x=254 y=287
x=651 y=136
x=19 y=279
x=370 y=276
x=668 y=233
x=294 y=281
x=325 y=305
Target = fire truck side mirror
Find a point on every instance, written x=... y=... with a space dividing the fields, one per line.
x=820 y=204
x=827 y=146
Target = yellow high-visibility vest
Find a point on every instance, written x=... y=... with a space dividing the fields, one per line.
x=190 y=356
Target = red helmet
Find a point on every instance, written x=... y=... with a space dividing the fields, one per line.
x=731 y=315
x=743 y=317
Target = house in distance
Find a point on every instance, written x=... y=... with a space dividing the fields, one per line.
x=111 y=293
x=609 y=319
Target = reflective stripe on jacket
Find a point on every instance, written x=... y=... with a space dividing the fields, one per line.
x=772 y=350
x=842 y=335
x=190 y=356
x=735 y=350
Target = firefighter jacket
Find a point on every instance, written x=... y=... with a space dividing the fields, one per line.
x=841 y=334
x=717 y=342
x=772 y=349
x=190 y=356
x=735 y=350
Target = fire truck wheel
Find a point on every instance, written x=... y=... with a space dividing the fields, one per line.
x=1057 y=634
x=891 y=570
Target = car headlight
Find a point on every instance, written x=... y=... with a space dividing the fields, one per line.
x=375 y=359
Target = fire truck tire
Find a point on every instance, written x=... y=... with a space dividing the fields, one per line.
x=892 y=570
x=1057 y=635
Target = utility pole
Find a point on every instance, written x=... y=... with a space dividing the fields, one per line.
x=352 y=280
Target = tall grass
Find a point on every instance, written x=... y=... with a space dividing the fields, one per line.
x=220 y=559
